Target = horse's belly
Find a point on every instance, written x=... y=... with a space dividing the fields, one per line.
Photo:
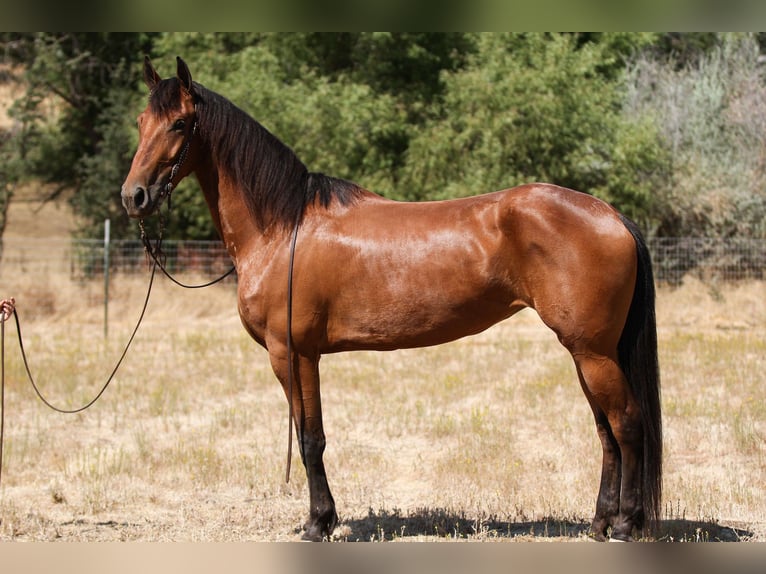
x=417 y=321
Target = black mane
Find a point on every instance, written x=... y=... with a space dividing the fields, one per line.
x=276 y=185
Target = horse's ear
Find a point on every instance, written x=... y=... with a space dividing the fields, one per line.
x=151 y=77
x=184 y=75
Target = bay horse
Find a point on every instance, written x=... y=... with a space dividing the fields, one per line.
x=372 y=273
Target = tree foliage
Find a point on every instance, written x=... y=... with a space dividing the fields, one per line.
x=533 y=108
x=420 y=116
x=711 y=116
x=72 y=120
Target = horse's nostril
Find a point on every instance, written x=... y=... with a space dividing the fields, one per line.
x=139 y=197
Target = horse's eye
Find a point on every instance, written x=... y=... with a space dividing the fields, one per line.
x=179 y=125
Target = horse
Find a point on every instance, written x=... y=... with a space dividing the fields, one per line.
x=326 y=266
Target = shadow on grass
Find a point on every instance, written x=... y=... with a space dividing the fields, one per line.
x=702 y=531
x=383 y=525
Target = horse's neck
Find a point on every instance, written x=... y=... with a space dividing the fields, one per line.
x=229 y=212
x=208 y=181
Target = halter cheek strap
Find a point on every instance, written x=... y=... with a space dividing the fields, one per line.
x=179 y=162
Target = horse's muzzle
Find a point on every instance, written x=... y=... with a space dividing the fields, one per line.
x=140 y=201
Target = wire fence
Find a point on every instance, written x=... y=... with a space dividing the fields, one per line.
x=707 y=259
x=84 y=258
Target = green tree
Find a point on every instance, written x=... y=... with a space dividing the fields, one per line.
x=406 y=66
x=348 y=103
x=72 y=134
x=335 y=125
x=534 y=107
x=417 y=115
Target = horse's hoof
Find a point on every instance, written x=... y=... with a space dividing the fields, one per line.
x=599 y=531
x=621 y=538
x=319 y=530
x=313 y=535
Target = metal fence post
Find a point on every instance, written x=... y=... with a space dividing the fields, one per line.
x=106 y=278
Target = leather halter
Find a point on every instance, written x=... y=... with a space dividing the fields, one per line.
x=168 y=189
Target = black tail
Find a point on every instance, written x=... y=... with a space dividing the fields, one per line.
x=637 y=351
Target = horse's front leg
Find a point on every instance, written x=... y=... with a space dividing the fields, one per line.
x=307 y=415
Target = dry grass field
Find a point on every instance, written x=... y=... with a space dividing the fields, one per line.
x=487 y=438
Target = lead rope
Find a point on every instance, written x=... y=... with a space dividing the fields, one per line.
x=157 y=256
x=8 y=308
x=290 y=358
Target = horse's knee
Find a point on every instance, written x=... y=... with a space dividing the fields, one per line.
x=627 y=428
x=313 y=444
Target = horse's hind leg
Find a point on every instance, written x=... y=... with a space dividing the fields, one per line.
x=307 y=414
x=618 y=421
x=608 y=501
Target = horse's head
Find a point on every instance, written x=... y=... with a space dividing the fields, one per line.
x=166 y=146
